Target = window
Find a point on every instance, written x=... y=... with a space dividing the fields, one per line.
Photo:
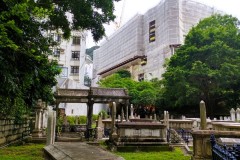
x=72 y=111
x=152 y=31
x=58 y=37
x=76 y=40
x=75 y=55
x=141 y=77
x=74 y=69
x=56 y=52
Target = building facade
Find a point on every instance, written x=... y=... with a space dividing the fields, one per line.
x=70 y=55
x=144 y=43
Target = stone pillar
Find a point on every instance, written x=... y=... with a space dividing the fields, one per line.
x=167 y=115
x=113 y=128
x=203 y=116
x=89 y=114
x=37 y=132
x=233 y=114
x=44 y=118
x=126 y=112
x=122 y=114
x=238 y=114
x=132 y=109
x=51 y=127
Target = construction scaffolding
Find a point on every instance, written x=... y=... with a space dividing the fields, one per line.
x=153 y=36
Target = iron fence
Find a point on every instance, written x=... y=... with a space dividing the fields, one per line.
x=178 y=136
x=224 y=152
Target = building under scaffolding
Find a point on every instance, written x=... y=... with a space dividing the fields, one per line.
x=143 y=43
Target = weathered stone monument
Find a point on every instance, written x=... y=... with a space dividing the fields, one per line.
x=233 y=114
x=203 y=116
x=113 y=128
x=51 y=126
x=37 y=132
x=238 y=114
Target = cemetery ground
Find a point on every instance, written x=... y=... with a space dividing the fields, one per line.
x=30 y=151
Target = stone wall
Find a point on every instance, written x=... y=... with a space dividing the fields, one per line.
x=10 y=131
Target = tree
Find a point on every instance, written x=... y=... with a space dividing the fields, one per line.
x=89 y=51
x=142 y=93
x=124 y=73
x=206 y=67
x=26 y=74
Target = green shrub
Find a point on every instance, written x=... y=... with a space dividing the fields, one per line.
x=82 y=119
x=104 y=114
x=71 y=120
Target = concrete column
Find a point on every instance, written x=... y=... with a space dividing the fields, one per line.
x=233 y=114
x=203 y=116
x=238 y=114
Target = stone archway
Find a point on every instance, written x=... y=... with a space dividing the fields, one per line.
x=91 y=96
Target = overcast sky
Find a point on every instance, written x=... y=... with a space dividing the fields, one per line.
x=133 y=7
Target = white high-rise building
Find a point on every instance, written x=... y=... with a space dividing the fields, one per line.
x=75 y=64
x=144 y=42
x=70 y=55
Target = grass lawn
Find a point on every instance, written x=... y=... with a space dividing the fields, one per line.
x=35 y=152
x=177 y=154
x=23 y=152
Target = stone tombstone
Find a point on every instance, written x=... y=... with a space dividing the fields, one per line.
x=203 y=116
x=150 y=117
x=225 y=118
x=220 y=118
x=155 y=117
x=238 y=114
x=183 y=117
x=119 y=117
x=99 y=122
x=132 y=109
x=164 y=117
x=233 y=114
x=100 y=127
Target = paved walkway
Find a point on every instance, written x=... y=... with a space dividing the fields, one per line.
x=78 y=151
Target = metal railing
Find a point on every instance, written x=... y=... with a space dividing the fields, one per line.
x=178 y=136
x=223 y=152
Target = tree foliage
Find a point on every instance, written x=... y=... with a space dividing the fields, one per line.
x=142 y=93
x=206 y=67
x=26 y=74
